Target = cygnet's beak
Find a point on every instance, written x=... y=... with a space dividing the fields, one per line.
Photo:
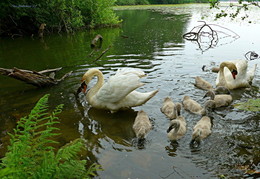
x=234 y=73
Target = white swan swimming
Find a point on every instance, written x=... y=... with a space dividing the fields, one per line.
x=235 y=75
x=118 y=92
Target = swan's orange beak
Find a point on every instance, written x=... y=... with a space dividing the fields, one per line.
x=234 y=73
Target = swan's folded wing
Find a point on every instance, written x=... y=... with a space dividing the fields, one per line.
x=119 y=86
x=133 y=71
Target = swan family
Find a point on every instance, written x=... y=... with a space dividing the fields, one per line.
x=119 y=92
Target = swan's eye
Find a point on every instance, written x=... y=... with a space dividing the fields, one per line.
x=234 y=73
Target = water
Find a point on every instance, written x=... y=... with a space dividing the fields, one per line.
x=150 y=39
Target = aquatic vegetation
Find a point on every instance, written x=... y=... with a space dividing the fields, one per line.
x=31 y=155
x=250 y=105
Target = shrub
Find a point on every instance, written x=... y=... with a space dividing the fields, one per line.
x=23 y=17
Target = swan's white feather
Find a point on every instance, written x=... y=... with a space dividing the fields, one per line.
x=119 y=86
x=119 y=90
x=243 y=78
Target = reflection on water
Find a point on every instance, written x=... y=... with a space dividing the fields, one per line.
x=121 y=124
x=150 y=40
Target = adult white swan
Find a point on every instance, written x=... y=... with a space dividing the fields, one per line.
x=118 y=92
x=234 y=74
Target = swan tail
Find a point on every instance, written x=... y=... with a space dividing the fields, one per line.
x=136 y=98
x=146 y=96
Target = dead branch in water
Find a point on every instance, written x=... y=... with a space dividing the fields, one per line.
x=34 y=78
x=102 y=53
x=206 y=35
x=251 y=55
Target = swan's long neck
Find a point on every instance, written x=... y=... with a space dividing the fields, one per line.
x=222 y=80
x=100 y=81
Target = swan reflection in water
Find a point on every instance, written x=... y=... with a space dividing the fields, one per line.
x=116 y=126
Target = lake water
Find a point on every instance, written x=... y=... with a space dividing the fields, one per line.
x=149 y=39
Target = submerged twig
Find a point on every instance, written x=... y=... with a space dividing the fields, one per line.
x=103 y=52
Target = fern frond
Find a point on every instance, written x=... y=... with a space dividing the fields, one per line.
x=93 y=168
x=70 y=150
x=31 y=154
x=6 y=171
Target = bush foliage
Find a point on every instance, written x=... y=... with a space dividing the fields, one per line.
x=136 y=2
x=31 y=154
x=25 y=16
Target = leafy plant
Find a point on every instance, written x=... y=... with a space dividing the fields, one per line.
x=250 y=105
x=20 y=17
x=31 y=154
x=238 y=7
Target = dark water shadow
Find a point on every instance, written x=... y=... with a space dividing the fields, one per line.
x=116 y=126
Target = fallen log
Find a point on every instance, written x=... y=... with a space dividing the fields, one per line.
x=34 y=78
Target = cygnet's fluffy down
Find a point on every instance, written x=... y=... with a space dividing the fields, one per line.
x=177 y=128
x=142 y=125
x=169 y=108
x=220 y=100
x=201 y=130
x=202 y=84
x=194 y=107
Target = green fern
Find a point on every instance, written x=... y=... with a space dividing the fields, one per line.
x=30 y=154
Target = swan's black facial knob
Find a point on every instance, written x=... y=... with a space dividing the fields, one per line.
x=82 y=88
x=234 y=73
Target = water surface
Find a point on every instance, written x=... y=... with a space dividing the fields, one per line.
x=149 y=39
